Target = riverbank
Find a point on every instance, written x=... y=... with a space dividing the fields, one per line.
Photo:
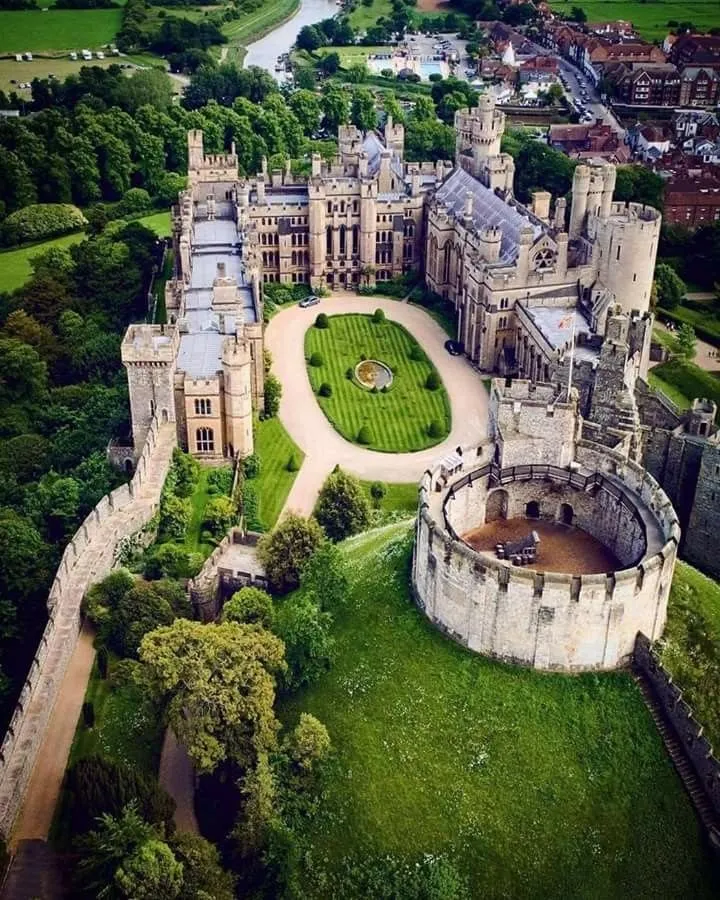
x=255 y=26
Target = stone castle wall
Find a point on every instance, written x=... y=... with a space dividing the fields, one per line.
x=548 y=620
x=88 y=557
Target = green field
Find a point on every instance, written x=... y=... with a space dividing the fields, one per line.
x=536 y=785
x=274 y=446
x=399 y=419
x=683 y=382
x=650 y=19
x=57 y=29
x=158 y=222
x=15 y=266
x=41 y=67
x=362 y=17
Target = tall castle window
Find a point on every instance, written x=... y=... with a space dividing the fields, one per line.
x=204 y=440
x=203 y=407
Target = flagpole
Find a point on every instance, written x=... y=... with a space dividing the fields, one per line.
x=572 y=358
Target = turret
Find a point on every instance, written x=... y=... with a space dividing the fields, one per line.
x=237 y=388
x=394 y=137
x=578 y=210
x=490 y=243
x=196 y=153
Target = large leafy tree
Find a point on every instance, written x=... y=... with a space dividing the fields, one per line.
x=343 y=508
x=670 y=288
x=217 y=685
x=285 y=551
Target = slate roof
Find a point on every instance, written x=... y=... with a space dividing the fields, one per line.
x=488 y=209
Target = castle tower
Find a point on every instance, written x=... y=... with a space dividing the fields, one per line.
x=701 y=541
x=237 y=389
x=196 y=153
x=478 y=133
x=148 y=353
x=578 y=210
x=368 y=222
x=317 y=225
x=395 y=137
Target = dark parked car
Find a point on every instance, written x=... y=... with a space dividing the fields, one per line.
x=310 y=300
x=454 y=348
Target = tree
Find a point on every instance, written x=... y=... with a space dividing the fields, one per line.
x=377 y=491
x=309 y=38
x=250 y=606
x=637 y=184
x=23 y=555
x=684 y=343
x=342 y=508
x=363 y=111
x=306 y=107
x=217 y=685
x=96 y=785
x=273 y=393
x=335 y=106
x=305 y=631
x=285 y=551
x=325 y=577
x=172 y=561
x=151 y=872
x=555 y=92
x=220 y=516
x=309 y=743
x=175 y=515
x=203 y=875
x=578 y=14
x=670 y=287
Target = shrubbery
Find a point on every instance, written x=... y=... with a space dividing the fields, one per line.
x=172 y=561
x=378 y=316
x=317 y=360
x=434 y=429
x=432 y=382
x=273 y=393
x=250 y=606
x=285 y=551
x=322 y=321
x=252 y=466
x=365 y=435
x=416 y=353
x=219 y=481
x=292 y=464
x=220 y=516
x=325 y=390
x=41 y=221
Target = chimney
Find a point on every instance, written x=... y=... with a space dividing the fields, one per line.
x=541 y=205
x=220 y=270
x=468 y=211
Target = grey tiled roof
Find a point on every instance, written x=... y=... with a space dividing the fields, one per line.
x=488 y=209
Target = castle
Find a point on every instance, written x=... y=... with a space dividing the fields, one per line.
x=542 y=293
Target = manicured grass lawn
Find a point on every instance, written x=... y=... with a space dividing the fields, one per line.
x=683 y=382
x=274 y=446
x=159 y=289
x=15 y=266
x=400 y=498
x=126 y=728
x=158 y=222
x=691 y=644
x=650 y=19
x=537 y=785
x=199 y=500
x=351 y=56
x=399 y=419
x=57 y=29
x=362 y=17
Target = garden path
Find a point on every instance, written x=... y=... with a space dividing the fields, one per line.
x=323 y=446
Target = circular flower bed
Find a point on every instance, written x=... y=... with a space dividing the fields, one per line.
x=373 y=374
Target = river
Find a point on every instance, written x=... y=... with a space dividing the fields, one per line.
x=264 y=52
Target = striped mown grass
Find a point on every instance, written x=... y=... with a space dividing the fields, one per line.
x=399 y=419
x=274 y=446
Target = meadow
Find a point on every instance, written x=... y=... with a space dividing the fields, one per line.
x=57 y=29
x=399 y=419
x=650 y=19
x=534 y=785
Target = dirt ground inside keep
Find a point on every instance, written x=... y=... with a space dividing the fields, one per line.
x=432 y=5
x=562 y=548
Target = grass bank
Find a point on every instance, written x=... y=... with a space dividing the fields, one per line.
x=682 y=382
x=536 y=785
x=274 y=446
x=706 y=323
x=399 y=419
x=254 y=25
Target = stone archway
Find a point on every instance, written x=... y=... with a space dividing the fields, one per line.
x=566 y=514
x=496 y=506
x=532 y=510
x=164 y=417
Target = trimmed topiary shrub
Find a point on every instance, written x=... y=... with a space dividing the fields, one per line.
x=378 y=316
x=252 y=466
x=432 y=382
x=88 y=714
x=365 y=435
x=325 y=390
x=317 y=360
x=292 y=463
x=416 y=354
x=377 y=491
x=349 y=374
x=322 y=321
x=434 y=429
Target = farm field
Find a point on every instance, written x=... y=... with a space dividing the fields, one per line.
x=274 y=446
x=534 y=785
x=57 y=29
x=399 y=419
x=650 y=19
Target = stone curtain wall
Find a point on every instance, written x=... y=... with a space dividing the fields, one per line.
x=88 y=557
x=688 y=730
x=547 y=620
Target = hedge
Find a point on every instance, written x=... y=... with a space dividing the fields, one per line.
x=42 y=221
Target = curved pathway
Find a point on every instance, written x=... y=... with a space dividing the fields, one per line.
x=312 y=432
